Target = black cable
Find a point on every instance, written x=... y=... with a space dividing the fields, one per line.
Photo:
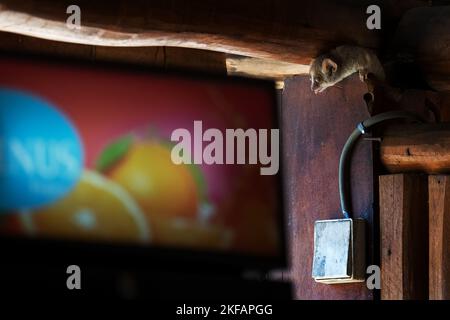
x=344 y=161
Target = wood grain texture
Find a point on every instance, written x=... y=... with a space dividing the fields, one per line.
x=263 y=68
x=314 y=129
x=290 y=31
x=423 y=35
x=404 y=236
x=160 y=57
x=280 y=38
x=427 y=104
x=439 y=245
x=417 y=148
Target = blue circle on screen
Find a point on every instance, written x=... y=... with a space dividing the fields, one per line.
x=41 y=155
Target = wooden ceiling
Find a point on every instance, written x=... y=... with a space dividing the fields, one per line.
x=290 y=31
x=266 y=38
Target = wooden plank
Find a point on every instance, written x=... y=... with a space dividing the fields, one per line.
x=423 y=36
x=404 y=236
x=164 y=57
x=160 y=57
x=11 y=42
x=439 y=246
x=290 y=31
x=416 y=147
x=263 y=68
x=314 y=130
x=278 y=39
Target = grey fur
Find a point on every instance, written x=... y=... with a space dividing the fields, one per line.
x=341 y=63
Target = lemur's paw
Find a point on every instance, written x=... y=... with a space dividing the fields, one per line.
x=363 y=75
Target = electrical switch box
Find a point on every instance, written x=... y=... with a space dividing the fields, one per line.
x=339 y=251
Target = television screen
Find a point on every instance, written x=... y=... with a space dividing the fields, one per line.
x=105 y=154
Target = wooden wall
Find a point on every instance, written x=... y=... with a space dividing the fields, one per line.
x=415 y=236
x=404 y=236
x=439 y=237
x=315 y=128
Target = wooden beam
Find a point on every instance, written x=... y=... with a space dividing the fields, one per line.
x=290 y=31
x=423 y=36
x=264 y=39
x=404 y=237
x=439 y=245
x=161 y=57
x=416 y=148
x=263 y=68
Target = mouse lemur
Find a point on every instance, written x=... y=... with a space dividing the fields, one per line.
x=328 y=69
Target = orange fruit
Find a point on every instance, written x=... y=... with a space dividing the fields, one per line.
x=96 y=209
x=160 y=187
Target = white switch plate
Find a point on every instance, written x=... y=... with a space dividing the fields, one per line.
x=339 y=251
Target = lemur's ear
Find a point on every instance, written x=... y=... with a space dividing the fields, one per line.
x=328 y=66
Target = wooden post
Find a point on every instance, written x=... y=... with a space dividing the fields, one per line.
x=404 y=237
x=439 y=222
